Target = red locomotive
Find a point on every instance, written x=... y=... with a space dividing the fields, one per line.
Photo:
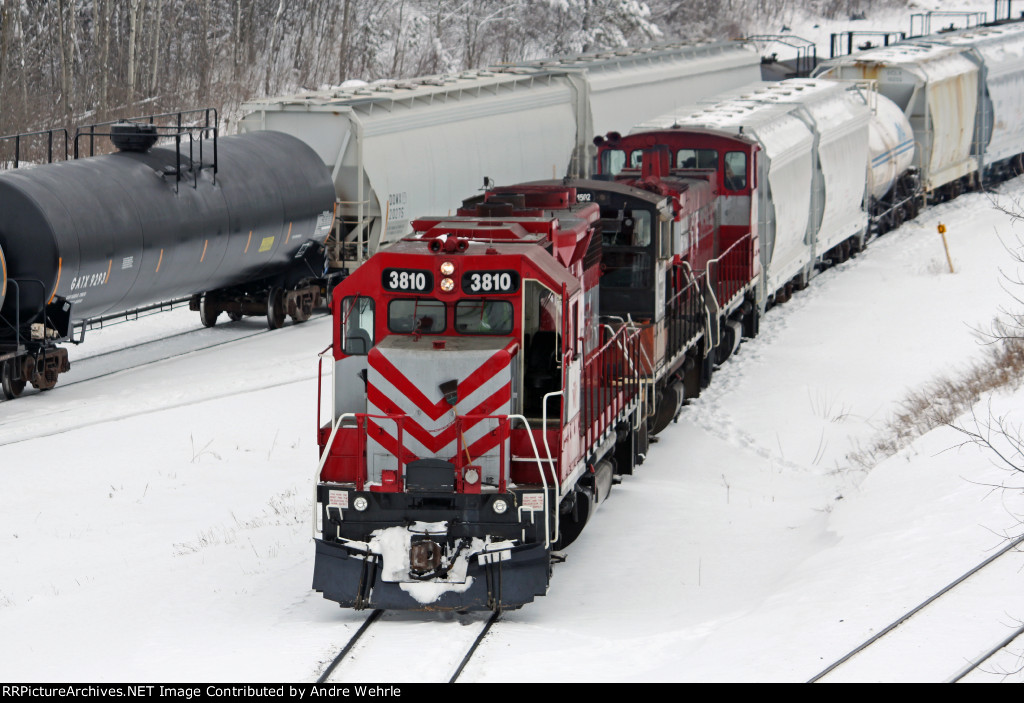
x=495 y=370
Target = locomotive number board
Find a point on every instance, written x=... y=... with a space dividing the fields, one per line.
x=490 y=282
x=407 y=281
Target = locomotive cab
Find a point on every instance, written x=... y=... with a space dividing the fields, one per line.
x=470 y=407
x=695 y=293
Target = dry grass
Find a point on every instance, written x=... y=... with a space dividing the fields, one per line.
x=945 y=399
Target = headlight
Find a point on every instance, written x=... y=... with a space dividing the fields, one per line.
x=360 y=504
x=499 y=506
x=472 y=476
x=447 y=268
x=447 y=285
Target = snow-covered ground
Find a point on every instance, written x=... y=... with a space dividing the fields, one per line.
x=161 y=530
x=155 y=522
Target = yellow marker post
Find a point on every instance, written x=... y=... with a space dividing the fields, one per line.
x=945 y=245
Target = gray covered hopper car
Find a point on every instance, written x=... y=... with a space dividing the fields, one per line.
x=398 y=149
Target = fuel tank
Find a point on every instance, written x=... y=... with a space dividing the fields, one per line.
x=117 y=232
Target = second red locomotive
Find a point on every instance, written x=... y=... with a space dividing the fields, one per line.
x=495 y=371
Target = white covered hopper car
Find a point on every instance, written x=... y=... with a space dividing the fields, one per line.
x=398 y=149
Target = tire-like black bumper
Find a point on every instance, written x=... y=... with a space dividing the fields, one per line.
x=345 y=576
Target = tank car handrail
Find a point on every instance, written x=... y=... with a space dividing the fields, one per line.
x=49 y=143
x=128 y=315
x=17 y=314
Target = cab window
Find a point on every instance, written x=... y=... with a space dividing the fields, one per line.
x=627 y=258
x=697 y=158
x=735 y=170
x=483 y=317
x=357 y=325
x=416 y=316
x=612 y=161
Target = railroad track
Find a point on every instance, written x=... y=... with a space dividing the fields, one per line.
x=24 y=420
x=960 y=601
x=407 y=649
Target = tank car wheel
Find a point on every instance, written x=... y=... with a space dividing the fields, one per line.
x=207 y=313
x=275 y=308
x=897 y=217
x=12 y=387
x=301 y=314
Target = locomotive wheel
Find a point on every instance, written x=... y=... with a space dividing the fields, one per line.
x=235 y=316
x=573 y=518
x=275 y=308
x=12 y=387
x=207 y=313
x=668 y=405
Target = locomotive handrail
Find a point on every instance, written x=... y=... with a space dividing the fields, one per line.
x=711 y=288
x=544 y=422
x=693 y=281
x=320 y=384
x=612 y=358
x=647 y=399
x=544 y=481
x=322 y=462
